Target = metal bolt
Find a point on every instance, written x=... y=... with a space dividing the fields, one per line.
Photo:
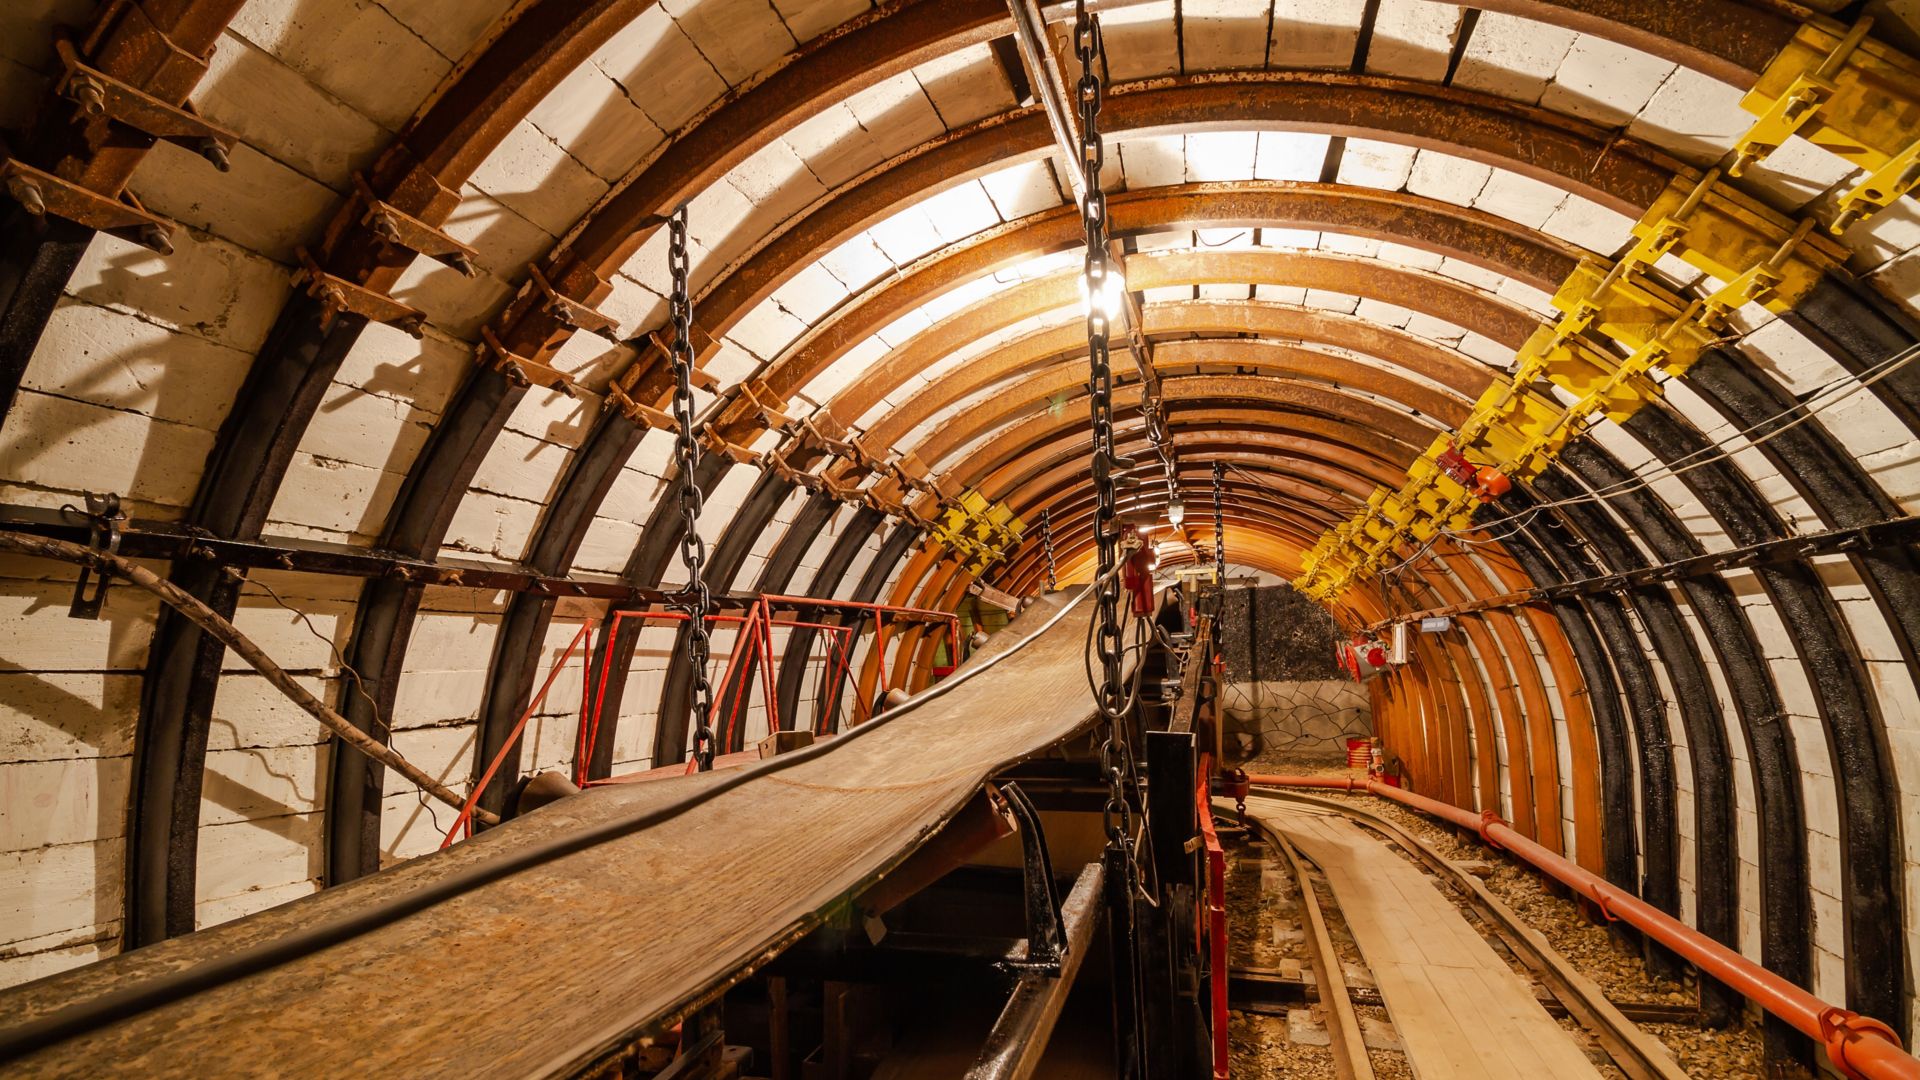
x=156 y=238
x=90 y=95
x=414 y=325
x=385 y=228
x=28 y=194
x=459 y=261
x=215 y=153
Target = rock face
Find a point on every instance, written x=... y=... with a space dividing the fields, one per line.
x=1284 y=698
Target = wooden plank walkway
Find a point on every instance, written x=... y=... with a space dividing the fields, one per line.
x=1457 y=1006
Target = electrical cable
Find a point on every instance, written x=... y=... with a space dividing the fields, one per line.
x=80 y=1017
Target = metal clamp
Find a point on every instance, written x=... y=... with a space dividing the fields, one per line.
x=398 y=228
x=337 y=295
x=41 y=193
x=100 y=95
x=105 y=519
x=522 y=370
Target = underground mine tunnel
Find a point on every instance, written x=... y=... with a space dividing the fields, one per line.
x=847 y=540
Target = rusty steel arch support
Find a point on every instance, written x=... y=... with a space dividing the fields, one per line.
x=1646 y=707
x=1618 y=834
x=1871 y=860
x=1716 y=826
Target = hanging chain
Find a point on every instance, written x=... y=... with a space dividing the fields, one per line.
x=1219 y=527
x=1046 y=542
x=696 y=601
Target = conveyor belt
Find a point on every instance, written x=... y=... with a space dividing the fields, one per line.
x=554 y=967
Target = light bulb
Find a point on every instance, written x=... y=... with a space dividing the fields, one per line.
x=1176 y=513
x=1111 y=294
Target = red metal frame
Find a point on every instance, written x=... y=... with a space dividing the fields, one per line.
x=756 y=634
x=465 y=821
x=1211 y=926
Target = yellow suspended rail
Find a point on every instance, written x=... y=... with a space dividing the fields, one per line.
x=1621 y=332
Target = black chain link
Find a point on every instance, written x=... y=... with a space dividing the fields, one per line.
x=1219 y=526
x=1046 y=542
x=696 y=601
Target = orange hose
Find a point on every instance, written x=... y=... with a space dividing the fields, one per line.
x=1859 y=1046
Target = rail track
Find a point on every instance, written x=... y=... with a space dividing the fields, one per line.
x=1635 y=1053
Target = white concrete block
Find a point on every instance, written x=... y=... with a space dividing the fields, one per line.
x=456 y=304
x=451 y=26
x=62 y=445
x=896 y=114
x=1285 y=155
x=1447 y=178
x=50 y=890
x=335 y=496
x=1153 y=161
x=1511 y=56
x=1315 y=33
x=106 y=357
x=487 y=524
x=63 y=802
x=1374 y=164
x=258 y=204
x=1695 y=117
x=965 y=85
x=1223 y=35
x=354 y=50
x=207 y=287
x=835 y=146
x=1603 y=81
x=53 y=715
x=529 y=173
x=1413 y=39
x=808 y=18
x=257 y=856
x=740 y=38
x=662 y=70
x=1141 y=43
x=1584 y=222
x=961 y=211
x=1028 y=188
x=1519 y=198
x=263 y=782
x=289 y=118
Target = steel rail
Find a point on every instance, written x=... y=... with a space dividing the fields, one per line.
x=1858 y=1046
x=1350 y=1060
x=1639 y=1055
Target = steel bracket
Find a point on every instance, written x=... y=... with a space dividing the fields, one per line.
x=644 y=415
x=100 y=95
x=41 y=193
x=524 y=371
x=105 y=520
x=568 y=311
x=337 y=294
x=715 y=442
x=1046 y=929
x=397 y=228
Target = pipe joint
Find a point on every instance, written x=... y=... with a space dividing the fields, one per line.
x=1841 y=1029
x=1488 y=819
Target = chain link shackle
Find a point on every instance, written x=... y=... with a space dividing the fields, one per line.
x=696 y=601
x=1219 y=527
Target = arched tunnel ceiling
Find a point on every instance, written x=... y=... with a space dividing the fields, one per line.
x=1340 y=222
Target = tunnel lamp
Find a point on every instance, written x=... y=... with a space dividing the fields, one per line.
x=1176 y=512
x=1109 y=299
